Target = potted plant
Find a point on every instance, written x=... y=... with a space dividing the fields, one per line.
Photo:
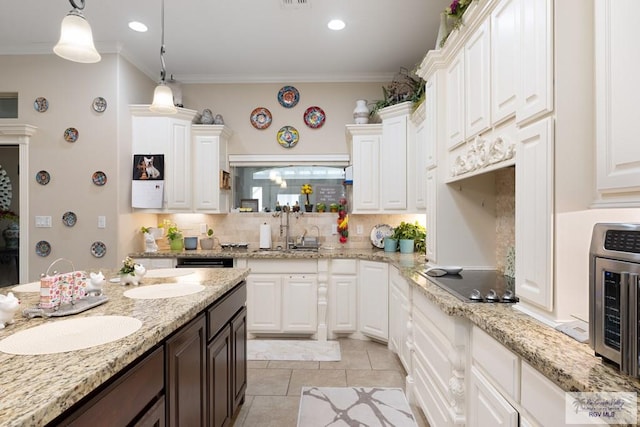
x=207 y=242
x=174 y=236
x=321 y=207
x=410 y=237
x=333 y=207
x=306 y=190
x=404 y=87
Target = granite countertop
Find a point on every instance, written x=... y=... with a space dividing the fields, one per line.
x=36 y=389
x=568 y=363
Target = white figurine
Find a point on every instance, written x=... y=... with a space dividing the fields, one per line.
x=135 y=278
x=8 y=306
x=94 y=286
x=150 y=244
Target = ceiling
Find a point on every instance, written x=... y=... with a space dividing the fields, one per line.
x=241 y=41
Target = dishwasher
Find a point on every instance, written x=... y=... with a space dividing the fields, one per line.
x=204 y=262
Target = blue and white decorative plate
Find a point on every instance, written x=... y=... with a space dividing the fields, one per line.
x=288 y=96
x=98 y=249
x=43 y=248
x=41 y=104
x=69 y=219
x=43 y=177
x=378 y=233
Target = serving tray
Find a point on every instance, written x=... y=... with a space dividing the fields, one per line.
x=67 y=309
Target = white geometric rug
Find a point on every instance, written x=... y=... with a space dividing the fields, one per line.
x=324 y=351
x=354 y=406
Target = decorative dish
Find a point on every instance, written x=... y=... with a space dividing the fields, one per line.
x=69 y=219
x=288 y=136
x=98 y=249
x=99 y=178
x=41 y=104
x=288 y=96
x=6 y=190
x=314 y=117
x=71 y=135
x=43 y=248
x=378 y=233
x=43 y=177
x=99 y=104
x=260 y=118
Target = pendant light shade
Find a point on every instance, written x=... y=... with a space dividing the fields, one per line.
x=163 y=96
x=76 y=38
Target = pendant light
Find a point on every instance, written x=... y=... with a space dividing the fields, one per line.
x=163 y=96
x=76 y=39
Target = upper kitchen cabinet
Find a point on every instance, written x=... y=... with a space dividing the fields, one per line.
x=364 y=143
x=454 y=101
x=477 y=73
x=194 y=156
x=505 y=25
x=617 y=88
x=417 y=157
x=393 y=156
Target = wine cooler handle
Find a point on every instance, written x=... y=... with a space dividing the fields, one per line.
x=633 y=304
x=624 y=323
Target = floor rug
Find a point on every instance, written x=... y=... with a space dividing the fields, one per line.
x=324 y=351
x=354 y=406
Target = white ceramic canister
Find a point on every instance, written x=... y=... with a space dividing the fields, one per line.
x=361 y=112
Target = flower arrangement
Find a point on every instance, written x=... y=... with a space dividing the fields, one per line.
x=455 y=11
x=8 y=215
x=343 y=220
x=128 y=266
x=173 y=233
x=306 y=190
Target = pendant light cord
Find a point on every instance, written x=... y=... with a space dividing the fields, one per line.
x=162 y=50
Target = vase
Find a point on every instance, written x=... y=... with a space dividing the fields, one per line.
x=176 y=244
x=406 y=246
x=443 y=30
x=11 y=236
x=390 y=245
x=308 y=208
x=361 y=112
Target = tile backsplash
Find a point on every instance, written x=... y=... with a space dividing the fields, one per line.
x=505 y=214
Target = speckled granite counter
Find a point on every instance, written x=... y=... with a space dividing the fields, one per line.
x=566 y=362
x=36 y=389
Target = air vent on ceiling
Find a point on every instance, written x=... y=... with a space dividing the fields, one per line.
x=295 y=4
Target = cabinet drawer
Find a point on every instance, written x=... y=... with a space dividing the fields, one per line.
x=498 y=363
x=344 y=266
x=220 y=314
x=282 y=267
x=140 y=384
x=541 y=398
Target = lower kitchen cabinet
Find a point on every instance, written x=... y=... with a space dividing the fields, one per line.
x=487 y=408
x=399 y=308
x=373 y=298
x=238 y=359
x=300 y=303
x=219 y=379
x=343 y=292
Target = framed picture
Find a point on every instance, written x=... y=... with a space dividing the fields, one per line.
x=225 y=180
x=249 y=205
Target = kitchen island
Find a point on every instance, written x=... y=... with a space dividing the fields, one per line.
x=37 y=389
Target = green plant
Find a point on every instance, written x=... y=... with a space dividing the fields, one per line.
x=144 y=230
x=128 y=266
x=404 y=87
x=173 y=233
x=210 y=232
x=320 y=207
x=409 y=231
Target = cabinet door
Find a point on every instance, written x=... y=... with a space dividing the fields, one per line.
x=431 y=121
x=505 y=42
x=617 y=88
x=431 y=188
x=366 y=173
x=219 y=359
x=393 y=168
x=487 y=408
x=535 y=83
x=373 y=296
x=477 y=62
x=534 y=213
x=300 y=303
x=541 y=398
x=186 y=375
x=264 y=302
x=398 y=315
x=455 y=100
x=178 y=166
x=206 y=176
x=238 y=359
x=417 y=159
x=154 y=416
x=343 y=305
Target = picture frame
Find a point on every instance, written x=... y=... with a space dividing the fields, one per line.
x=225 y=180
x=249 y=205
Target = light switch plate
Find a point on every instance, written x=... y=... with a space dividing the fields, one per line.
x=43 y=222
x=102 y=221
x=359 y=229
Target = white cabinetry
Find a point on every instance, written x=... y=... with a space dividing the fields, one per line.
x=534 y=213
x=505 y=32
x=282 y=297
x=393 y=156
x=399 y=309
x=343 y=304
x=209 y=158
x=617 y=88
x=373 y=298
x=541 y=399
x=477 y=81
x=417 y=158
x=151 y=263
x=487 y=408
x=431 y=121
x=432 y=209
x=365 y=158
x=455 y=102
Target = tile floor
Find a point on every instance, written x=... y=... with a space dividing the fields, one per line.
x=273 y=387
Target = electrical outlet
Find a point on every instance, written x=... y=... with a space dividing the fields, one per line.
x=43 y=222
x=334 y=229
x=203 y=228
x=102 y=221
x=359 y=229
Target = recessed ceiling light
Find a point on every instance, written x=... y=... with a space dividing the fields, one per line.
x=336 y=24
x=138 y=26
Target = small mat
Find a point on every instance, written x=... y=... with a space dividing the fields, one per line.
x=60 y=336
x=27 y=287
x=168 y=272
x=354 y=406
x=324 y=351
x=164 y=290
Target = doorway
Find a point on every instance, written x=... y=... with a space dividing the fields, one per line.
x=9 y=215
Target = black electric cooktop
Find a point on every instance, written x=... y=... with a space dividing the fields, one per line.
x=489 y=286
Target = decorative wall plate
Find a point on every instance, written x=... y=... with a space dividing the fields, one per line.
x=98 y=249
x=41 y=104
x=69 y=219
x=71 y=135
x=288 y=136
x=260 y=118
x=43 y=248
x=99 y=104
x=43 y=177
x=6 y=190
x=378 y=233
x=314 y=117
x=99 y=178
x=288 y=96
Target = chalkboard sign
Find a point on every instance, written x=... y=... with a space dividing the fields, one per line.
x=328 y=194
